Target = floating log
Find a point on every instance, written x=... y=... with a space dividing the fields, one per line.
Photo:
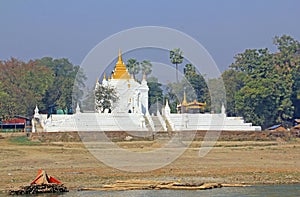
x=159 y=185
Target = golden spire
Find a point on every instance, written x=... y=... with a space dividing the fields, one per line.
x=120 y=57
x=120 y=71
x=104 y=76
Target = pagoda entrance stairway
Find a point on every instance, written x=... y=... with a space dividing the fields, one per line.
x=157 y=125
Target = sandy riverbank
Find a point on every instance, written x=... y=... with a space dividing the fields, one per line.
x=249 y=162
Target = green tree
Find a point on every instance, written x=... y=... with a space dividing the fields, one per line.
x=176 y=57
x=146 y=67
x=78 y=86
x=155 y=91
x=197 y=82
x=105 y=96
x=4 y=98
x=255 y=63
x=287 y=62
x=233 y=82
x=268 y=95
x=88 y=101
x=288 y=48
x=217 y=94
x=257 y=101
x=174 y=95
x=296 y=92
x=133 y=67
x=67 y=84
x=25 y=83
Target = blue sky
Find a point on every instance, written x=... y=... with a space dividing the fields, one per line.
x=60 y=28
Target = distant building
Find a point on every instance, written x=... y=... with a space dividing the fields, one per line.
x=278 y=127
x=18 y=123
x=191 y=107
x=296 y=122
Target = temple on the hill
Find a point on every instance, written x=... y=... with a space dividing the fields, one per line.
x=133 y=96
x=191 y=107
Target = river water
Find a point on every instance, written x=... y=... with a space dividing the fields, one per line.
x=252 y=191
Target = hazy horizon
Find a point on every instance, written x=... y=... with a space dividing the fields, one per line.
x=70 y=29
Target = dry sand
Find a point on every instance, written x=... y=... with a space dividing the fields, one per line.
x=249 y=162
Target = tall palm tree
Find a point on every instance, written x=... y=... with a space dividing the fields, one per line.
x=176 y=57
x=133 y=67
x=146 y=67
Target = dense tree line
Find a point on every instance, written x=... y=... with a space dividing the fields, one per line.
x=264 y=87
x=261 y=86
x=45 y=82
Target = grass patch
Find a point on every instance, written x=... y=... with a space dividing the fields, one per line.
x=22 y=140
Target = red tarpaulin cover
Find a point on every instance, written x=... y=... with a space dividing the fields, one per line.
x=43 y=178
x=15 y=120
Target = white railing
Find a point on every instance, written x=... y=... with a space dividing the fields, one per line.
x=147 y=115
x=161 y=120
x=168 y=118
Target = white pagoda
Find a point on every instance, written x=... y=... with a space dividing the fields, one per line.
x=133 y=96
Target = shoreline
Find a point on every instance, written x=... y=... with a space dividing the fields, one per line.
x=253 y=163
x=206 y=186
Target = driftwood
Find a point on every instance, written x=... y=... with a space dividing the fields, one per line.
x=39 y=188
x=159 y=185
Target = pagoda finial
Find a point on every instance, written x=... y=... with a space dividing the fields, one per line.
x=120 y=56
x=36 y=112
x=167 y=108
x=77 y=109
x=120 y=71
x=223 y=110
